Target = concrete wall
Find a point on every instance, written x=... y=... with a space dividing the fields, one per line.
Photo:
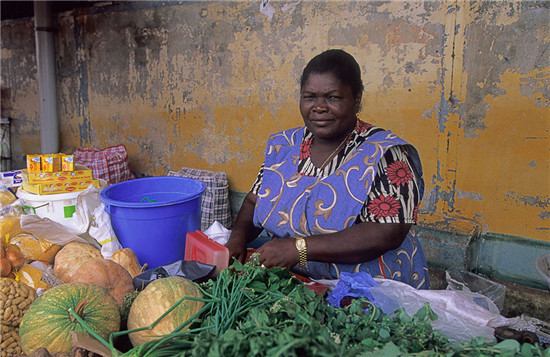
x=202 y=84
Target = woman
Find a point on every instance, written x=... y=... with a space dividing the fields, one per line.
x=338 y=194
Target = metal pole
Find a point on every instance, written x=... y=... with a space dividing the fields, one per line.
x=47 y=86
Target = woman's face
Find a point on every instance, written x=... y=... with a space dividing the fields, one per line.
x=328 y=106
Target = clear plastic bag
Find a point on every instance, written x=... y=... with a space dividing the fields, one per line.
x=459 y=317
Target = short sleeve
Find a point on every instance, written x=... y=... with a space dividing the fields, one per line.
x=258 y=183
x=395 y=194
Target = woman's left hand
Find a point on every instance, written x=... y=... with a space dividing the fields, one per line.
x=279 y=252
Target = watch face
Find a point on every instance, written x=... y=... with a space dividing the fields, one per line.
x=301 y=243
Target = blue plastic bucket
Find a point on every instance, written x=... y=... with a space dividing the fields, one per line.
x=153 y=215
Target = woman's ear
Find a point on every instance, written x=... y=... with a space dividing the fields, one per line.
x=357 y=102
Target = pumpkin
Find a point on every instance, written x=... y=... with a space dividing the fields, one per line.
x=128 y=259
x=107 y=274
x=157 y=297
x=71 y=257
x=47 y=323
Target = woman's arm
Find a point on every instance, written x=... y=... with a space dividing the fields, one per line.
x=243 y=231
x=359 y=243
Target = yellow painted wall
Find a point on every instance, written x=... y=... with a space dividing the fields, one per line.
x=202 y=84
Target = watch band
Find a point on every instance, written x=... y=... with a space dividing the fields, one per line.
x=302 y=251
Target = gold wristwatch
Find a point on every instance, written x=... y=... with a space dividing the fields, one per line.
x=302 y=251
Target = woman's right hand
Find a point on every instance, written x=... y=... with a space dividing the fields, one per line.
x=237 y=246
x=244 y=230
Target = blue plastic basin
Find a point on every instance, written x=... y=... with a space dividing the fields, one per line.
x=153 y=215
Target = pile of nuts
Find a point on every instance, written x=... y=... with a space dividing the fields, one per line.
x=15 y=300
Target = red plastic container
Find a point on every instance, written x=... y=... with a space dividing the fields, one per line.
x=203 y=249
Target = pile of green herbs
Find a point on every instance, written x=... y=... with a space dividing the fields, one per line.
x=253 y=311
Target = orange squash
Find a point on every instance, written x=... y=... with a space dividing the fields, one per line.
x=107 y=274
x=128 y=259
x=69 y=259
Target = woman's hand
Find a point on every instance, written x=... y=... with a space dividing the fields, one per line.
x=237 y=246
x=244 y=230
x=353 y=245
x=279 y=252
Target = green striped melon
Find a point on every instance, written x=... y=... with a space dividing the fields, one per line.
x=157 y=298
x=48 y=323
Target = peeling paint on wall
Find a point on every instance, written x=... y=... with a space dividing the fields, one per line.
x=202 y=84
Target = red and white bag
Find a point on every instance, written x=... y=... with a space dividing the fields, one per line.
x=109 y=164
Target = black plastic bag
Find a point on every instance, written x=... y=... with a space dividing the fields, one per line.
x=188 y=269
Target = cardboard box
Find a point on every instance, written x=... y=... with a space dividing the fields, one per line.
x=34 y=163
x=12 y=178
x=33 y=178
x=51 y=162
x=67 y=162
x=60 y=187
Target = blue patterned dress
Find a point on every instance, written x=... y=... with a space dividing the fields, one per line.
x=376 y=177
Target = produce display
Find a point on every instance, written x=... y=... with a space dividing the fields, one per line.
x=54 y=298
x=252 y=311
x=51 y=317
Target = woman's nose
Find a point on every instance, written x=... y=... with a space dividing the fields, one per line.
x=320 y=105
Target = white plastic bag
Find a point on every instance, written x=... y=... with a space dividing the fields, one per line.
x=102 y=231
x=218 y=233
x=86 y=203
x=459 y=317
x=45 y=228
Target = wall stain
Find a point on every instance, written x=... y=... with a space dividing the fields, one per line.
x=82 y=73
x=535 y=201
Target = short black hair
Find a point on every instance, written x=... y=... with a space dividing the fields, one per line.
x=338 y=62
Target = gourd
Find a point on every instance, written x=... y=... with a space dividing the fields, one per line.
x=15 y=300
x=71 y=257
x=159 y=296
x=106 y=274
x=47 y=323
x=128 y=259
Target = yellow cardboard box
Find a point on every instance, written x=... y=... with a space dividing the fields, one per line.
x=60 y=187
x=34 y=163
x=51 y=162
x=67 y=162
x=32 y=178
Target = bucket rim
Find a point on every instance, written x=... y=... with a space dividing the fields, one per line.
x=140 y=205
